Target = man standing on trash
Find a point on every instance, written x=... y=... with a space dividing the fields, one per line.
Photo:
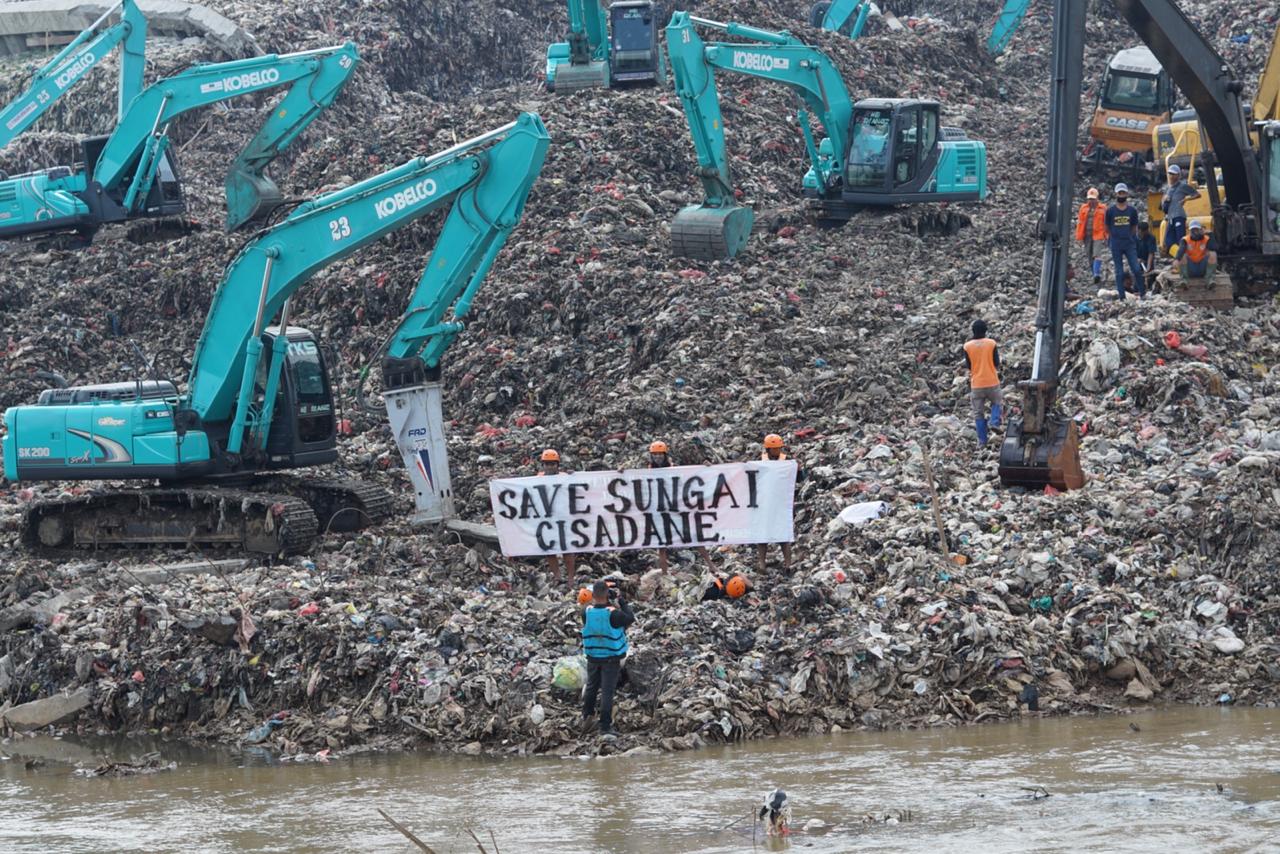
x=1178 y=192
x=1197 y=256
x=550 y=466
x=1091 y=229
x=660 y=458
x=773 y=450
x=982 y=358
x=1122 y=234
x=604 y=642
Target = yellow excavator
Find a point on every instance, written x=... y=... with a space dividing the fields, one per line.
x=1042 y=446
x=1183 y=141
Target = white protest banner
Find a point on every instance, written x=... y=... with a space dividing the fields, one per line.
x=678 y=507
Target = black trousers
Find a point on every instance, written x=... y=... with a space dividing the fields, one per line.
x=602 y=679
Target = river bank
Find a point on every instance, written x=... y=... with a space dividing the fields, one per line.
x=396 y=642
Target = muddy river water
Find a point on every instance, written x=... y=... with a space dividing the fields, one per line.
x=1110 y=787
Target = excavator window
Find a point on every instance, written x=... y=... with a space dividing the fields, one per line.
x=632 y=29
x=1273 y=182
x=869 y=152
x=1132 y=92
x=906 y=146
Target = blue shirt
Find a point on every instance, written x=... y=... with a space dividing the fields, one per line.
x=1122 y=226
x=1146 y=247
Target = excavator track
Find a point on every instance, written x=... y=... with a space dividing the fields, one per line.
x=340 y=505
x=261 y=523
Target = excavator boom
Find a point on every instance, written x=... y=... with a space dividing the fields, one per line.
x=56 y=77
x=131 y=173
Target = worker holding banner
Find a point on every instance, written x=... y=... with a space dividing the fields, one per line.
x=660 y=458
x=773 y=452
x=551 y=466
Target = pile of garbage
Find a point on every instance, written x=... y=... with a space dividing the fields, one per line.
x=1154 y=583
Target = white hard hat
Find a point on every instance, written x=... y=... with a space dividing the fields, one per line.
x=1121 y=188
x=1194 y=225
x=1175 y=169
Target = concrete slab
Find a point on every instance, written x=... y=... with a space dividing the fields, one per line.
x=50 y=710
x=38 y=18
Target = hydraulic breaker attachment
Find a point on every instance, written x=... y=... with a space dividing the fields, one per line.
x=1042 y=448
x=710 y=234
x=418 y=424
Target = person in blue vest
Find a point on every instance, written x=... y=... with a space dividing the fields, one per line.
x=604 y=640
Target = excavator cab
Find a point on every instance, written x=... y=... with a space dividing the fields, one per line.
x=303 y=428
x=635 y=58
x=900 y=153
x=1269 y=134
x=163 y=199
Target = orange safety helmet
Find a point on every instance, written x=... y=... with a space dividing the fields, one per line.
x=773 y=440
x=584 y=596
x=657 y=446
x=551 y=455
x=1092 y=194
x=736 y=587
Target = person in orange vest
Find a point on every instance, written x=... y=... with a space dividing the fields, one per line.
x=1091 y=230
x=773 y=450
x=983 y=360
x=551 y=465
x=1197 y=256
x=660 y=458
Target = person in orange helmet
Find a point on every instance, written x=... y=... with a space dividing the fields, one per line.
x=660 y=458
x=1091 y=230
x=550 y=465
x=774 y=450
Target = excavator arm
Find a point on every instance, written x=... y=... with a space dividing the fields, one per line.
x=581 y=61
x=1266 y=103
x=719 y=227
x=133 y=151
x=1043 y=448
x=130 y=173
x=80 y=56
x=846 y=16
x=1006 y=25
x=486 y=179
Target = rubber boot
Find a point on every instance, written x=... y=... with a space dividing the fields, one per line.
x=994 y=421
x=1097 y=270
x=981 y=424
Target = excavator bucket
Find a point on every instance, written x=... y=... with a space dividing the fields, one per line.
x=710 y=234
x=1035 y=464
x=574 y=78
x=250 y=198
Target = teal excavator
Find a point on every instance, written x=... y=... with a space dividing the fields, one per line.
x=56 y=77
x=258 y=399
x=132 y=172
x=878 y=151
x=623 y=52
